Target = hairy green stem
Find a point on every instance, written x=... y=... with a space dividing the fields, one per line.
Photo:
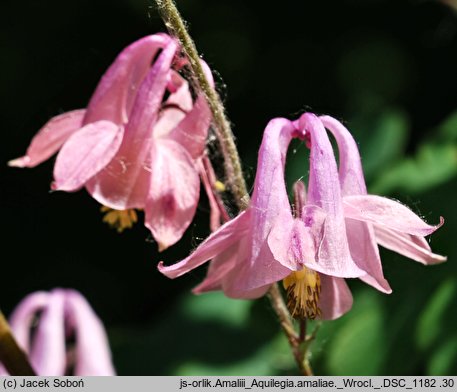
x=11 y=355
x=233 y=171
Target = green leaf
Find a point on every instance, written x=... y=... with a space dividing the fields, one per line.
x=433 y=318
x=210 y=332
x=216 y=307
x=271 y=359
x=448 y=129
x=444 y=361
x=358 y=346
x=386 y=142
x=434 y=164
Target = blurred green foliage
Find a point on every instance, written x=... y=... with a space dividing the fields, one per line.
x=387 y=68
x=434 y=163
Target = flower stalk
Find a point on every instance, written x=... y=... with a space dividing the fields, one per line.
x=11 y=355
x=299 y=343
x=234 y=174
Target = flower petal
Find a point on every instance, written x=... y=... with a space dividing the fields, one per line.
x=413 y=247
x=208 y=178
x=50 y=138
x=176 y=107
x=208 y=73
x=180 y=93
x=173 y=194
x=124 y=182
x=388 y=213
x=22 y=317
x=148 y=101
x=93 y=356
x=289 y=242
x=192 y=131
x=365 y=252
x=350 y=166
x=253 y=275
x=270 y=199
x=48 y=355
x=334 y=258
x=115 y=94
x=245 y=294
x=362 y=243
x=85 y=154
x=335 y=298
x=218 y=268
x=219 y=241
x=226 y=271
x=294 y=242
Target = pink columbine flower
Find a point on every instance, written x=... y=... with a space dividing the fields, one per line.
x=61 y=333
x=133 y=147
x=313 y=251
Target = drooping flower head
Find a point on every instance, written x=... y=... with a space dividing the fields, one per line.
x=138 y=143
x=313 y=250
x=61 y=334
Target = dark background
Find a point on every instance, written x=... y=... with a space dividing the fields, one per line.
x=386 y=67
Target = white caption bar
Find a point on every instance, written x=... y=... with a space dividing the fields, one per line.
x=205 y=384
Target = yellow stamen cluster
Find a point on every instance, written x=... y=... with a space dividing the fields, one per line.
x=220 y=187
x=303 y=290
x=119 y=220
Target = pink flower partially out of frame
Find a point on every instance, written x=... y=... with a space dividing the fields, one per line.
x=63 y=316
x=316 y=250
x=134 y=147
